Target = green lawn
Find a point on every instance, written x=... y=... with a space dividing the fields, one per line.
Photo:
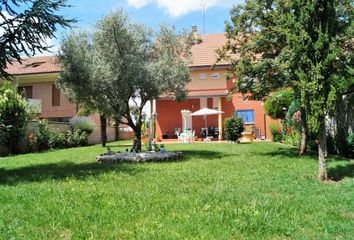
x=218 y=191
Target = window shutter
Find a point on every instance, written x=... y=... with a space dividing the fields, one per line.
x=55 y=96
x=26 y=91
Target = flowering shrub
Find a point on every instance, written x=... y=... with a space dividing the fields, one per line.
x=45 y=138
x=14 y=116
x=277 y=132
x=82 y=123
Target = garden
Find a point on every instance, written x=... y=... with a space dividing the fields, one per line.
x=21 y=131
x=220 y=191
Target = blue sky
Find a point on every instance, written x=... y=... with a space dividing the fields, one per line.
x=181 y=13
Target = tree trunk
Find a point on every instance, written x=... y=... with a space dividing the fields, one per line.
x=116 y=132
x=322 y=154
x=304 y=133
x=103 y=121
x=137 y=140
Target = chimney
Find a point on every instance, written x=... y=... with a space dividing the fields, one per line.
x=195 y=29
x=195 y=34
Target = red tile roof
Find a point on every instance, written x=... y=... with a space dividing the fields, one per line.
x=200 y=93
x=203 y=54
x=207 y=92
x=34 y=65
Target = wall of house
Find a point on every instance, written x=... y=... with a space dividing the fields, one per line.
x=43 y=91
x=42 y=88
x=209 y=82
x=169 y=114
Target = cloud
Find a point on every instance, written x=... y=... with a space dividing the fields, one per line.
x=178 y=8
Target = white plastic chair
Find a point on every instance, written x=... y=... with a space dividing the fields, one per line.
x=179 y=137
x=193 y=136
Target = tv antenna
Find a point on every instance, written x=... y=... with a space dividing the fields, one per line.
x=203 y=4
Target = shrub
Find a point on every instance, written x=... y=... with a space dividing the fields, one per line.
x=77 y=138
x=45 y=138
x=42 y=136
x=350 y=144
x=84 y=124
x=14 y=116
x=233 y=128
x=292 y=137
x=277 y=104
x=277 y=133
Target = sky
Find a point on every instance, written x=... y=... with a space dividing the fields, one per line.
x=181 y=13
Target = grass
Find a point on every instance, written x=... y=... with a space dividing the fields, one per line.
x=218 y=191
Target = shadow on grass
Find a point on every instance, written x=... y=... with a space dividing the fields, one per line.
x=204 y=154
x=120 y=145
x=291 y=153
x=62 y=170
x=338 y=173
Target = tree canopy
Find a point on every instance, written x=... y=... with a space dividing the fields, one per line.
x=25 y=25
x=278 y=103
x=123 y=65
x=302 y=44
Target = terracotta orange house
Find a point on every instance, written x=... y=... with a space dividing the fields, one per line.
x=209 y=88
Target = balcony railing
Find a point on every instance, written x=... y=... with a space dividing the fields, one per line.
x=35 y=104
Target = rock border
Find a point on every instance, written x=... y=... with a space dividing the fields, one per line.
x=139 y=157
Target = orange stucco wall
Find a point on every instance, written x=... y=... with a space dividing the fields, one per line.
x=208 y=83
x=169 y=112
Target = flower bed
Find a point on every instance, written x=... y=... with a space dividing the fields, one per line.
x=138 y=157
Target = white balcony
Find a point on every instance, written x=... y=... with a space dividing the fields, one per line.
x=35 y=104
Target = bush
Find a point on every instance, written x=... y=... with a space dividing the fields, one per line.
x=45 y=138
x=277 y=133
x=77 y=138
x=233 y=128
x=277 y=104
x=84 y=124
x=14 y=116
x=42 y=135
x=350 y=142
x=292 y=137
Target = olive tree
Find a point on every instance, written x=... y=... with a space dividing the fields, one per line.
x=123 y=66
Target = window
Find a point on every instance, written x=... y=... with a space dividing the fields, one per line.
x=215 y=76
x=203 y=76
x=247 y=115
x=215 y=103
x=55 y=96
x=26 y=91
x=203 y=102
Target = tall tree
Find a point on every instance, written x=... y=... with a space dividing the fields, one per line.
x=303 y=44
x=25 y=25
x=254 y=36
x=141 y=65
x=129 y=65
x=82 y=78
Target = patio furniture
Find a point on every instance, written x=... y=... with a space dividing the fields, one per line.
x=205 y=112
x=187 y=137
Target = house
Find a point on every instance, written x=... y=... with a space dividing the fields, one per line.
x=209 y=88
x=36 y=80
